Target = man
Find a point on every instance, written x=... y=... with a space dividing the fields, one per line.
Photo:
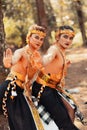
x=54 y=61
x=48 y=87
x=25 y=62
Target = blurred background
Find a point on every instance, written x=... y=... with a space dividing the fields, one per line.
x=16 y=16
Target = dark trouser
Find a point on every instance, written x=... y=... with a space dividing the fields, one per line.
x=19 y=114
x=53 y=104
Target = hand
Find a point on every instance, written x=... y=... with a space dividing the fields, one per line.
x=68 y=62
x=7 y=58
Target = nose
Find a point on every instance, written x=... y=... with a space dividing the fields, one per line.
x=69 y=39
x=38 y=40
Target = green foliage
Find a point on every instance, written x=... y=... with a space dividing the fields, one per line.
x=20 y=14
x=10 y=27
x=17 y=19
x=12 y=33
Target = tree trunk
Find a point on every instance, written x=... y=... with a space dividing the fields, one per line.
x=78 y=7
x=2 y=37
x=42 y=19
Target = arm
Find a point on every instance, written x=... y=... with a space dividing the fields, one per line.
x=50 y=55
x=17 y=56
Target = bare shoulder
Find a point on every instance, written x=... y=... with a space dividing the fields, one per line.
x=52 y=48
x=20 y=51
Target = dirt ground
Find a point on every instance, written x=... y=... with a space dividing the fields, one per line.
x=76 y=80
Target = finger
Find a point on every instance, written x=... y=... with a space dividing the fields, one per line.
x=4 y=54
x=8 y=52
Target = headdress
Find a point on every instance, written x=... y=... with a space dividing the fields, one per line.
x=65 y=31
x=38 y=32
x=34 y=31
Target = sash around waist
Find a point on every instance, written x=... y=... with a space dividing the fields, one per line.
x=18 y=78
x=47 y=80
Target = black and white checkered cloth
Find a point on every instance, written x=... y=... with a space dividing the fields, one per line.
x=45 y=116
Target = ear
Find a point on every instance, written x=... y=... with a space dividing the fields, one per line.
x=57 y=39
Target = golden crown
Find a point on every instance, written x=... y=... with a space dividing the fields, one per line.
x=65 y=31
x=35 y=32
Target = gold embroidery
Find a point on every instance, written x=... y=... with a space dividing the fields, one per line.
x=34 y=111
x=37 y=32
x=65 y=31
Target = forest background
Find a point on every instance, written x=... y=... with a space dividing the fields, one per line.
x=16 y=16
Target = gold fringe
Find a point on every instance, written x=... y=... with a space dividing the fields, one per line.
x=34 y=111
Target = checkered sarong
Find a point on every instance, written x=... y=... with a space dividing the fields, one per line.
x=45 y=116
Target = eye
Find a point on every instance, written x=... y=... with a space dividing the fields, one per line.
x=65 y=36
x=71 y=38
x=36 y=37
x=42 y=39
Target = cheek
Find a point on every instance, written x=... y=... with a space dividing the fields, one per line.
x=70 y=42
x=61 y=41
x=32 y=41
x=41 y=43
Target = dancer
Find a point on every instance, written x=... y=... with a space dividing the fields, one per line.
x=48 y=87
x=13 y=102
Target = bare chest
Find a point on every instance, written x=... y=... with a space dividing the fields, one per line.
x=55 y=66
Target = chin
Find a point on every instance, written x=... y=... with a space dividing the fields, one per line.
x=66 y=46
x=37 y=48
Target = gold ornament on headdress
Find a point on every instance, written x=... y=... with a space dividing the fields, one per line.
x=35 y=32
x=65 y=31
x=38 y=32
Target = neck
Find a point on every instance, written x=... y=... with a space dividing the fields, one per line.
x=61 y=48
x=31 y=49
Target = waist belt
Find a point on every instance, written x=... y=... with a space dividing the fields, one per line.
x=19 y=78
x=46 y=80
x=14 y=77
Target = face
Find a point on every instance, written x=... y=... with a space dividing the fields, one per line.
x=65 y=40
x=36 y=41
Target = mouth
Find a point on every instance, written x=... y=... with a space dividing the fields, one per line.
x=67 y=44
x=38 y=45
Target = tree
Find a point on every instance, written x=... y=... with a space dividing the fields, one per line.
x=2 y=36
x=42 y=19
x=20 y=12
x=78 y=7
